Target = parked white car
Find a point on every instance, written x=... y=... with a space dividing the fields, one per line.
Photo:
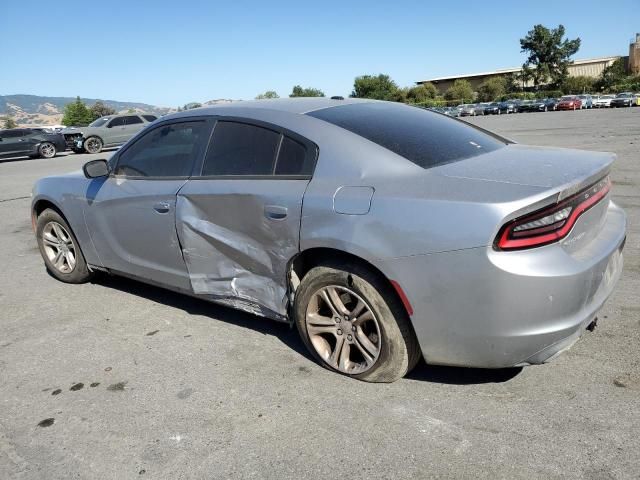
x=603 y=101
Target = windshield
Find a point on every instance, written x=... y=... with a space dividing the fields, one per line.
x=99 y=122
x=623 y=95
x=422 y=137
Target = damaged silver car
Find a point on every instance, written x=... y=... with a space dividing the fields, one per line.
x=385 y=232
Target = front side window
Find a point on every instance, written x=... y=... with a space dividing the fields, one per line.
x=165 y=151
x=241 y=149
x=116 y=122
x=133 y=119
x=99 y=122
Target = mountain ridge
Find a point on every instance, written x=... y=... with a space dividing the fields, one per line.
x=47 y=110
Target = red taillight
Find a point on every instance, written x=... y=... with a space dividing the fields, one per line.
x=551 y=223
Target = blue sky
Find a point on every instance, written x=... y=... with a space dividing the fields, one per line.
x=170 y=52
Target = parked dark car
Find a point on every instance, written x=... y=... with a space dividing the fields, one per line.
x=625 y=99
x=493 y=109
x=540 y=105
x=32 y=142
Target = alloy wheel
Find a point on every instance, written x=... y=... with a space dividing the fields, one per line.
x=93 y=145
x=47 y=150
x=343 y=329
x=59 y=247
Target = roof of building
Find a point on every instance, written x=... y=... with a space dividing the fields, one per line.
x=516 y=69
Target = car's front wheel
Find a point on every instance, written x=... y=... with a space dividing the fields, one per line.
x=93 y=145
x=47 y=150
x=353 y=324
x=59 y=248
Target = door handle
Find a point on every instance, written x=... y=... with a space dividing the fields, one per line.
x=162 y=207
x=275 y=212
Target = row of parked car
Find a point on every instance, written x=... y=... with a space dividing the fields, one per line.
x=105 y=132
x=567 y=102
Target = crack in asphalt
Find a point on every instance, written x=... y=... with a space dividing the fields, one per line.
x=12 y=199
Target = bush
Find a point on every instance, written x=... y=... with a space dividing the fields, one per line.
x=460 y=91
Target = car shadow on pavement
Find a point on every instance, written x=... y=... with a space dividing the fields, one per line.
x=289 y=336
x=461 y=375
x=195 y=306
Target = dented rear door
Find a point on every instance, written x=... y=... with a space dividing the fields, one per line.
x=239 y=222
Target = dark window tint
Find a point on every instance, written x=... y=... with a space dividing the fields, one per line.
x=241 y=149
x=133 y=119
x=167 y=151
x=150 y=118
x=116 y=122
x=293 y=159
x=423 y=137
x=12 y=133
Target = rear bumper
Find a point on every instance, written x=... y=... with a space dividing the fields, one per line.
x=483 y=308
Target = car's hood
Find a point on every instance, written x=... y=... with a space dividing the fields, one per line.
x=71 y=130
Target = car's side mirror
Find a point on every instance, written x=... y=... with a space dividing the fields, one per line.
x=96 y=168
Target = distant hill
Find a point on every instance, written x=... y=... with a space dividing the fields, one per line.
x=37 y=110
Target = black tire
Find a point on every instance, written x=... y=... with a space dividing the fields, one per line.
x=93 y=145
x=80 y=273
x=399 y=349
x=77 y=150
x=47 y=150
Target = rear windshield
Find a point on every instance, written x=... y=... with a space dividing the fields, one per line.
x=426 y=138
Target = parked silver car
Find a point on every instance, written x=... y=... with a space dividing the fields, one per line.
x=385 y=232
x=105 y=132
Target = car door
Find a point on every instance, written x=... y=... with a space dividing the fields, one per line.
x=114 y=132
x=239 y=222
x=131 y=213
x=133 y=124
x=13 y=143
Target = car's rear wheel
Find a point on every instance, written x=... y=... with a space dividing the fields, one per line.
x=93 y=145
x=47 y=150
x=60 y=249
x=353 y=324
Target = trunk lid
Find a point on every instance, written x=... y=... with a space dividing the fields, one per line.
x=557 y=173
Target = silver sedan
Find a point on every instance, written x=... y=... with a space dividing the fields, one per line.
x=384 y=232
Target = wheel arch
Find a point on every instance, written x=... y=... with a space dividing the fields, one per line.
x=314 y=256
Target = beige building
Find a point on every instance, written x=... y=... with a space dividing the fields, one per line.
x=590 y=67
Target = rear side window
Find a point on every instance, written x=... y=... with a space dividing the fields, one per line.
x=166 y=151
x=426 y=138
x=150 y=118
x=293 y=159
x=133 y=119
x=241 y=149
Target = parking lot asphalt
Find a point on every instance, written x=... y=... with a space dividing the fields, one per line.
x=115 y=379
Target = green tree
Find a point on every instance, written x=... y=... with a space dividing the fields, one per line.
x=267 y=95
x=580 y=84
x=9 y=122
x=612 y=75
x=460 y=91
x=77 y=114
x=421 y=93
x=379 y=87
x=298 y=91
x=549 y=55
x=99 y=109
x=492 y=88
